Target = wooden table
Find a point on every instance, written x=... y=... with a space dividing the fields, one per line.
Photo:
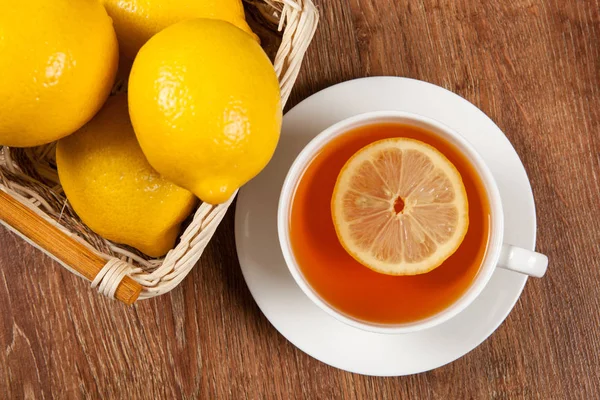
x=532 y=66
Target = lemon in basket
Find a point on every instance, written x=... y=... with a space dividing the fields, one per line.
x=114 y=190
x=58 y=61
x=136 y=21
x=205 y=106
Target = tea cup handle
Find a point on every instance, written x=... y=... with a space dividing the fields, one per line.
x=524 y=261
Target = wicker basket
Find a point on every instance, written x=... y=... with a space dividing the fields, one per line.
x=29 y=176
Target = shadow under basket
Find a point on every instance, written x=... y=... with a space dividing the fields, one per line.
x=34 y=205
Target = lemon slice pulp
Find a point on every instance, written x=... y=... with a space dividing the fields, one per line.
x=399 y=207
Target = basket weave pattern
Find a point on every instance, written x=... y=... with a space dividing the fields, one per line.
x=29 y=175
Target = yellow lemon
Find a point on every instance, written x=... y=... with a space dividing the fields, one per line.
x=58 y=61
x=399 y=207
x=114 y=190
x=136 y=21
x=205 y=106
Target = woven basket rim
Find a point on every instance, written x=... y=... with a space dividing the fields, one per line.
x=29 y=176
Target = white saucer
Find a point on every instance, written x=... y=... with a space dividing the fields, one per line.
x=311 y=329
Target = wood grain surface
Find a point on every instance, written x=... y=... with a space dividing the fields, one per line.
x=532 y=66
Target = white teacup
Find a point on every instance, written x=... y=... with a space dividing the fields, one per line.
x=498 y=254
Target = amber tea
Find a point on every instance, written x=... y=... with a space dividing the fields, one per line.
x=349 y=286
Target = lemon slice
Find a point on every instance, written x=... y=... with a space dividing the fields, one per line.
x=399 y=207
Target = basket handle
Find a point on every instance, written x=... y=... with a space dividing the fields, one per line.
x=60 y=245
